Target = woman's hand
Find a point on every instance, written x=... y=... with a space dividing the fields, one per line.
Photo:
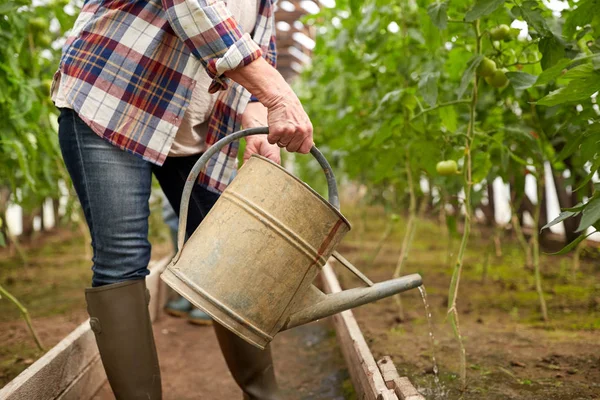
x=256 y=116
x=289 y=125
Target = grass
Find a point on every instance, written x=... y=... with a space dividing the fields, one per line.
x=512 y=285
x=51 y=284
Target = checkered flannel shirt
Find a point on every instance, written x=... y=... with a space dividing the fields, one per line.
x=128 y=69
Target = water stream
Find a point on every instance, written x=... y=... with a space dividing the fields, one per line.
x=439 y=391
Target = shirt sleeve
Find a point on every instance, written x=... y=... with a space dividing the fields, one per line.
x=213 y=36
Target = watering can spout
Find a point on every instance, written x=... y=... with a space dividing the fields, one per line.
x=321 y=305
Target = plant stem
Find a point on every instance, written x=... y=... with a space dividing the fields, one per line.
x=438 y=106
x=522 y=240
x=11 y=240
x=410 y=232
x=498 y=241
x=535 y=242
x=25 y=314
x=388 y=230
x=577 y=258
x=455 y=282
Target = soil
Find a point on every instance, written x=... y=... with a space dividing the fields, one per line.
x=511 y=353
x=308 y=363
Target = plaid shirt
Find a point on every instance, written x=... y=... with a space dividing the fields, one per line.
x=128 y=69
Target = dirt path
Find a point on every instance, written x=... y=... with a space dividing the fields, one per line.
x=308 y=363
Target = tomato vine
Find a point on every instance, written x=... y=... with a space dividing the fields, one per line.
x=387 y=77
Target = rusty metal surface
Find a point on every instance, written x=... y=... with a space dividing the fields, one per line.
x=251 y=262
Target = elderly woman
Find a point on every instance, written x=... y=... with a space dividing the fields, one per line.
x=129 y=71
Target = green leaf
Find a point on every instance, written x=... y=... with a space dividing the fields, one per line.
x=438 y=12
x=572 y=144
x=552 y=73
x=552 y=49
x=428 y=85
x=561 y=217
x=532 y=14
x=9 y=6
x=571 y=245
x=577 y=90
x=449 y=118
x=580 y=16
x=589 y=176
x=578 y=208
x=355 y=6
x=2 y=240
x=521 y=80
x=481 y=166
x=590 y=215
x=482 y=8
x=468 y=74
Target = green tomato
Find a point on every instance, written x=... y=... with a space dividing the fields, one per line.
x=44 y=41
x=498 y=80
x=501 y=32
x=39 y=23
x=446 y=168
x=487 y=67
x=59 y=3
x=46 y=85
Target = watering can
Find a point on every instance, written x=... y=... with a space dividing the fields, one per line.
x=250 y=264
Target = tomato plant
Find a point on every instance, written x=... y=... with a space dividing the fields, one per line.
x=396 y=87
x=29 y=51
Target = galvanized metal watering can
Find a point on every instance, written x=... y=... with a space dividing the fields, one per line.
x=251 y=262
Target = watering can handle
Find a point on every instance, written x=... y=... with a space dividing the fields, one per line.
x=193 y=176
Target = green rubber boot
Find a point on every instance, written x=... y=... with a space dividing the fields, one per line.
x=251 y=367
x=120 y=320
x=179 y=307
x=199 y=317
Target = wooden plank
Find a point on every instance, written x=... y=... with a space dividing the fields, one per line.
x=72 y=370
x=366 y=377
x=401 y=385
x=54 y=372
x=84 y=386
x=388 y=371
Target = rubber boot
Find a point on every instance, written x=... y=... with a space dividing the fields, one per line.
x=179 y=307
x=199 y=317
x=120 y=320
x=251 y=367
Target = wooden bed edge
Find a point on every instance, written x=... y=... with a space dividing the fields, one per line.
x=72 y=369
x=402 y=386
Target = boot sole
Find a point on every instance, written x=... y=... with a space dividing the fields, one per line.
x=177 y=313
x=200 y=322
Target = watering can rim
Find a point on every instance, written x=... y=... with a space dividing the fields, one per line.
x=305 y=185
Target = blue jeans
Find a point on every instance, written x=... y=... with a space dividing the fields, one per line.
x=114 y=188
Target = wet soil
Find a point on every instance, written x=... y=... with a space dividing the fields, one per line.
x=511 y=353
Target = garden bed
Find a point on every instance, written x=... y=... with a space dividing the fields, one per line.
x=511 y=354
